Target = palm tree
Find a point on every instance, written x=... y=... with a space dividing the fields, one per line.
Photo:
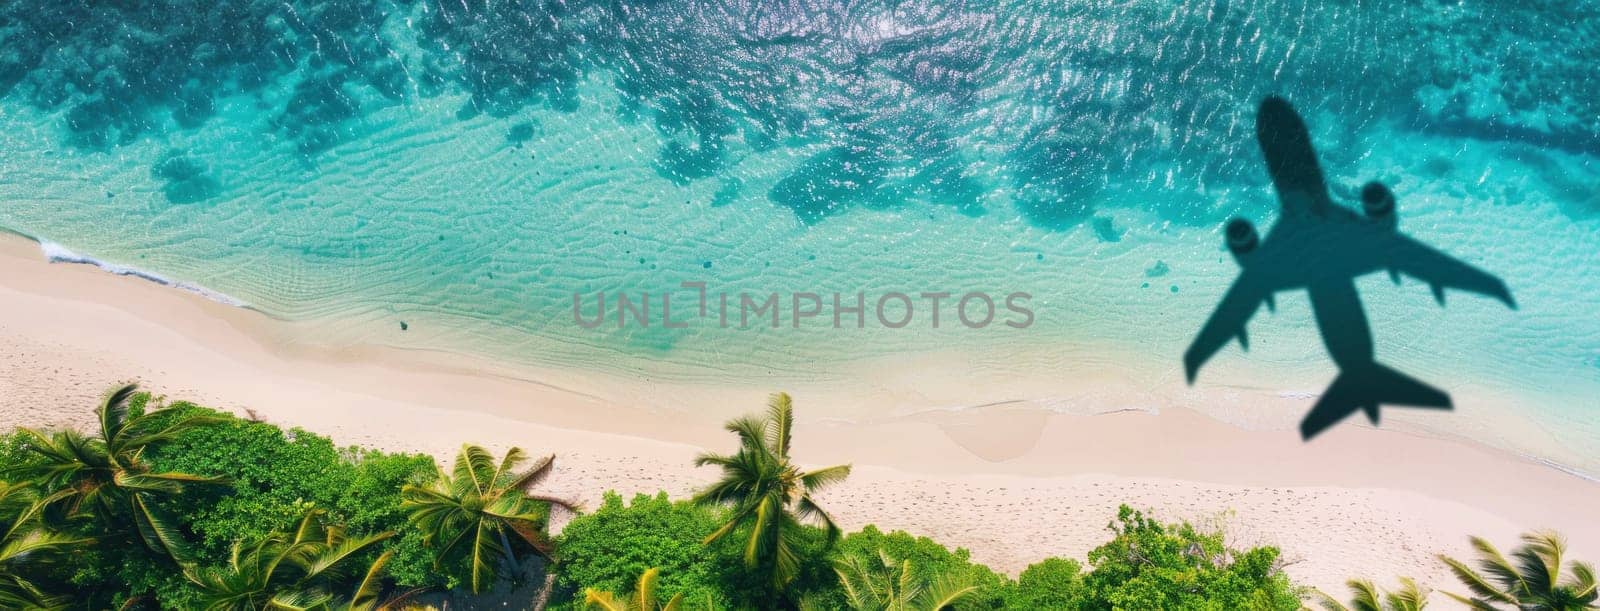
x=881 y=584
x=768 y=495
x=643 y=597
x=105 y=477
x=1367 y=597
x=1530 y=581
x=471 y=510
x=23 y=544
x=293 y=571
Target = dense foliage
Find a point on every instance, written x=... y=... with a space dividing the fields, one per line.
x=275 y=476
x=1149 y=565
x=251 y=482
x=929 y=562
x=1052 y=583
x=184 y=507
x=609 y=549
x=1537 y=576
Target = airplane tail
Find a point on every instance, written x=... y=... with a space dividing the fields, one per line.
x=1365 y=388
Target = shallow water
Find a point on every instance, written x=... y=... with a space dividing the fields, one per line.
x=466 y=167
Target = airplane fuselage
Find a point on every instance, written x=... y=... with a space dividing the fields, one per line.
x=1313 y=252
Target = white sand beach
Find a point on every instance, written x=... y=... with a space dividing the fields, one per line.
x=1012 y=484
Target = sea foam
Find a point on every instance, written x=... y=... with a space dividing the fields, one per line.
x=56 y=253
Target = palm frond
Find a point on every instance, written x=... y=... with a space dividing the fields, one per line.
x=852 y=579
x=644 y=592
x=785 y=560
x=366 y=594
x=1328 y=603
x=780 y=423
x=20 y=547
x=1475 y=604
x=168 y=483
x=946 y=591
x=486 y=553
x=172 y=429
x=603 y=601
x=675 y=603
x=1583 y=583
x=299 y=600
x=814 y=481
x=534 y=538
x=1364 y=596
x=567 y=504
x=113 y=411
x=1539 y=560
x=473 y=465
x=807 y=508
x=331 y=557
x=752 y=432
x=1491 y=561
x=536 y=474
x=1479 y=585
x=763 y=530
x=502 y=478
x=1410 y=596
x=157 y=531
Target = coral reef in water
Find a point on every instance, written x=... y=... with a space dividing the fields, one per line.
x=1079 y=102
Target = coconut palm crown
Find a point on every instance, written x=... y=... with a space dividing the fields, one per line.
x=104 y=477
x=768 y=495
x=1530 y=580
x=484 y=511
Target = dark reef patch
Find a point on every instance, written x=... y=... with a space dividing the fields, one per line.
x=319 y=113
x=1071 y=101
x=1106 y=230
x=1058 y=174
x=122 y=70
x=684 y=163
x=508 y=54
x=521 y=132
x=187 y=180
x=829 y=182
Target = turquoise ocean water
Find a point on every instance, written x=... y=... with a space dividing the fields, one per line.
x=467 y=166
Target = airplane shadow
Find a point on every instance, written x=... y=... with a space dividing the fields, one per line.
x=1322 y=247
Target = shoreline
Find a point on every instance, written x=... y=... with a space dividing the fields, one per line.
x=1012 y=483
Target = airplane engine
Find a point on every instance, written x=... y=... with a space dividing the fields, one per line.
x=1378 y=202
x=1241 y=237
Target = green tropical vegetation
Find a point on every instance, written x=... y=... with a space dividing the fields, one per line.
x=482 y=512
x=1535 y=578
x=1367 y=597
x=643 y=597
x=295 y=570
x=767 y=495
x=182 y=507
x=104 y=478
x=886 y=584
x=26 y=547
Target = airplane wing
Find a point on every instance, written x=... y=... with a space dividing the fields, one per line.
x=1227 y=322
x=1291 y=160
x=1442 y=271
